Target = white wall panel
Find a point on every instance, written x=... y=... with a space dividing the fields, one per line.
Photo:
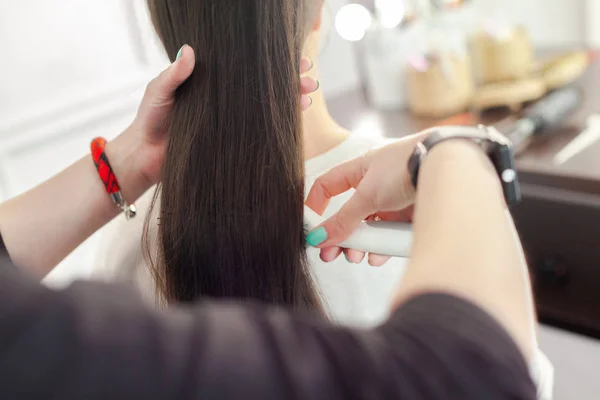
x=64 y=56
x=592 y=22
x=27 y=164
x=552 y=23
x=77 y=69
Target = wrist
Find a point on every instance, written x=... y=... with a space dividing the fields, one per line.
x=463 y=151
x=123 y=154
x=461 y=160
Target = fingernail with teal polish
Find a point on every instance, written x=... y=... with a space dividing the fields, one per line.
x=316 y=237
x=347 y=259
x=179 y=53
x=318 y=86
x=311 y=64
x=310 y=98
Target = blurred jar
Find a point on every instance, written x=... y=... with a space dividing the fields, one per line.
x=387 y=45
x=501 y=53
x=385 y=53
x=440 y=81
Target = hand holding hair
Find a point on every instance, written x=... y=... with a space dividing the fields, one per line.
x=136 y=157
x=146 y=138
x=147 y=134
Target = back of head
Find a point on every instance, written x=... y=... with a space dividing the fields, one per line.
x=233 y=180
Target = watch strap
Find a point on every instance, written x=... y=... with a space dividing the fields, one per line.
x=498 y=148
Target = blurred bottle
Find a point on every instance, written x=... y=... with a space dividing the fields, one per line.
x=385 y=53
x=439 y=80
x=386 y=47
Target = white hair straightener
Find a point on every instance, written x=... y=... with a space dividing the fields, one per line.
x=378 y=237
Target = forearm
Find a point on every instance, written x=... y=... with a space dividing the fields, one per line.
x=43 y=225
x=465 y=242
x=97 y=341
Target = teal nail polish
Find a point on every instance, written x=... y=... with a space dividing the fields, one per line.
x=179 y=53
x=318 y=86
x=310 y=98
x=316 y=237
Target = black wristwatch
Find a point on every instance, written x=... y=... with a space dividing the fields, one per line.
x=496 y=146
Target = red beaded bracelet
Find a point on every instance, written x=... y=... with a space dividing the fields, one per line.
x=108 y=177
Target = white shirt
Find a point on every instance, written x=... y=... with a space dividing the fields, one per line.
x=355 y=294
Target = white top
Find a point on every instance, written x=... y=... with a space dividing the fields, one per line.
x=355 y=294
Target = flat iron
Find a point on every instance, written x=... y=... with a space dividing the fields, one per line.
x=387 y=238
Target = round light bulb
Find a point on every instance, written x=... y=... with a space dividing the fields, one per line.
x=390 y=12
x=352 y=22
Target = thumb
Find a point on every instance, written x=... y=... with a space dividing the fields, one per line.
x=171 y=78
x=339 y=227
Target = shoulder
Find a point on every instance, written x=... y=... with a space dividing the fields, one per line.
x=358 y=144
x=354 y=146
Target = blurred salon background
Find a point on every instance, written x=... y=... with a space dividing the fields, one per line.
x=71 y=70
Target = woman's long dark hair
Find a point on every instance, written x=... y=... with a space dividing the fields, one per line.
x=233 y=180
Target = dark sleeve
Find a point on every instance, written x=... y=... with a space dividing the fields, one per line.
x=97 y=341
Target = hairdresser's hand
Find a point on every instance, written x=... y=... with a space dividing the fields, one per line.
x=383 y=190
x=143 y=144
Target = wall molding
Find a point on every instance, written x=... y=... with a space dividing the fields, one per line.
x=57 y=131
x=150 y=45
x=36 y=127
x=590 y=22
x=74 y=124
x=32 y=130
